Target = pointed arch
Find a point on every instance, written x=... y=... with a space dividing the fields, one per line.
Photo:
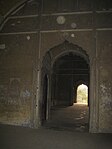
x=67 y=47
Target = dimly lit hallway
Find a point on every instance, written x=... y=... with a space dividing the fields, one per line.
x=73 y=118
x=48 y=49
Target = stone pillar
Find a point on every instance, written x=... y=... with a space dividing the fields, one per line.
x=94 y=102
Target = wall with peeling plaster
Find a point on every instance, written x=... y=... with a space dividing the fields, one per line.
x=16 y=76
x=29 y=32
x=105 y=81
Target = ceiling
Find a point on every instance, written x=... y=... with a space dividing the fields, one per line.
x=71 y=64
x=6 y=5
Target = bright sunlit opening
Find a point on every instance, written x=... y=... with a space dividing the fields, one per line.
x=82 y=94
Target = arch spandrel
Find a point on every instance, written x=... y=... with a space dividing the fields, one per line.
x=66 y=47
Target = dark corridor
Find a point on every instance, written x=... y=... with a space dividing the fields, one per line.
x=69 y=71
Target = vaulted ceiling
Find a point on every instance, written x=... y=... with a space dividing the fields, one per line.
x=6 y=5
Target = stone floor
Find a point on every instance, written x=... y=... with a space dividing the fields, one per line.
x=12 y=137
x=73 y=118
x=66 y=130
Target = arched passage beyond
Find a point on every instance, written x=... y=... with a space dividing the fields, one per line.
x=69 y=65
x=82 y=94
x=68 y=71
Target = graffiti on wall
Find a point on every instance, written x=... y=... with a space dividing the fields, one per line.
x=14 y=93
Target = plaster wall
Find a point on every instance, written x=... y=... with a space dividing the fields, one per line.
x=105 y=81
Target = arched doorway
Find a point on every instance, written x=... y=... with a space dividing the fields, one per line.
x=82 y=94
x=68 y=67
x=68 y=70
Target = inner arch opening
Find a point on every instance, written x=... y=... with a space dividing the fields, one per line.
x=68 y=72
x=82 y=94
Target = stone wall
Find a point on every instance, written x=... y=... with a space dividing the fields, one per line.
x=105 y=82
x=18 y=50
